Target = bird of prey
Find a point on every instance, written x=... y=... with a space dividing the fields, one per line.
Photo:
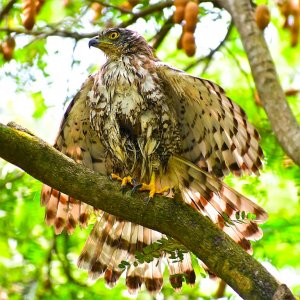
x=140 y=118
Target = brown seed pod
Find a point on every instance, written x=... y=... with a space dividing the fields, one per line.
x=126 y=5
x=262 y=16
x=180 y=3
x=190 y=50
x=29 y=13
x=292 y=92
x=133 y=3
x=97 y=8
x=179 y=11
x=39 y=4
x=178 y=14
x=191 y=16
x=8 y=47
x=67 y=3
x=285 y=7
x=179 y=42
x=295 y=30
x=188 y=43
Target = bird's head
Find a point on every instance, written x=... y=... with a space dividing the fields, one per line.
x=118 y=42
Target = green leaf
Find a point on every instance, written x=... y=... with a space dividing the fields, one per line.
x=39 y=103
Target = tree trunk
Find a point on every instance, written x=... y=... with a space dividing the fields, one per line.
x=282 y=120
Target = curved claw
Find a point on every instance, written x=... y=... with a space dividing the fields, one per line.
x=134 y=181
x=124 y=181
x=123 y=189
x=136 y=187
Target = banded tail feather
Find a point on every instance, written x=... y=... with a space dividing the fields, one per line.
x=112 y=241
x=63 y=211
x=213 y=198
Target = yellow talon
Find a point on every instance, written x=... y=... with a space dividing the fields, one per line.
x=151 y=187
x=124 y=180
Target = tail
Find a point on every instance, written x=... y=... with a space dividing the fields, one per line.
x=222 y=204
x=63 y=211
x=113 y=240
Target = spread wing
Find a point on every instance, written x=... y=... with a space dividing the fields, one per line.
x=215 y=132
x=77 y=140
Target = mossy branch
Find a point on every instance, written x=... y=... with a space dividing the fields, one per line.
x=169 y=216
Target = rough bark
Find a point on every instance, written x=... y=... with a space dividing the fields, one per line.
x=281 y=118
x=172 y=217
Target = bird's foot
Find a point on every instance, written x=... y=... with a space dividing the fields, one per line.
x=124 y=181
x=153 y=190
x=151 y=187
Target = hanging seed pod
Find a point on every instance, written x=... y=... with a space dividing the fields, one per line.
x=97 y=8
x=39 y=5
x=178 y=14
x=188 y=43
x=29 y=13
x=191 y=16
x=133 y=3
x=126 y=5
x=295 y=30
x=285 y=7
x=262 y=16
x=67 y=3
x=190 y=50
x=179 y=10
x=179 y=42
x=291 y=92
x=8 y=47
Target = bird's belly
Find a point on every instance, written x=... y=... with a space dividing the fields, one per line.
x=128 y=103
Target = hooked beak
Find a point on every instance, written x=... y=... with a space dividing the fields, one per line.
x=94 y=42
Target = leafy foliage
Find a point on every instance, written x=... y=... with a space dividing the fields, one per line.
x=162 y=247
x=50 y=62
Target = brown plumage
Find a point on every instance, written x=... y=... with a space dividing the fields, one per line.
x=138 y=116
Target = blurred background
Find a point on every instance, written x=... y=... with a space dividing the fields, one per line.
x=44 y=59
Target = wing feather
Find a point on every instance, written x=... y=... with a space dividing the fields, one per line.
x=215 y=132
x=77 y=140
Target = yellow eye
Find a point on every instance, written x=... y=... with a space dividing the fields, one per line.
x=113 y=35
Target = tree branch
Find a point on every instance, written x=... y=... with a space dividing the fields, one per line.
x=109 y=5
x=45 y=32
x=161 y=34
x=149 y=10
x=282 y=120
x=223 y=257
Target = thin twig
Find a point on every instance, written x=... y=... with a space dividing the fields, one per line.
x=159 y=37
x=46 y=33
x=246 y=75
x=151 y=9
x=66 y=265
x=121 y=9
x=12 y=179
x=6 y=9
